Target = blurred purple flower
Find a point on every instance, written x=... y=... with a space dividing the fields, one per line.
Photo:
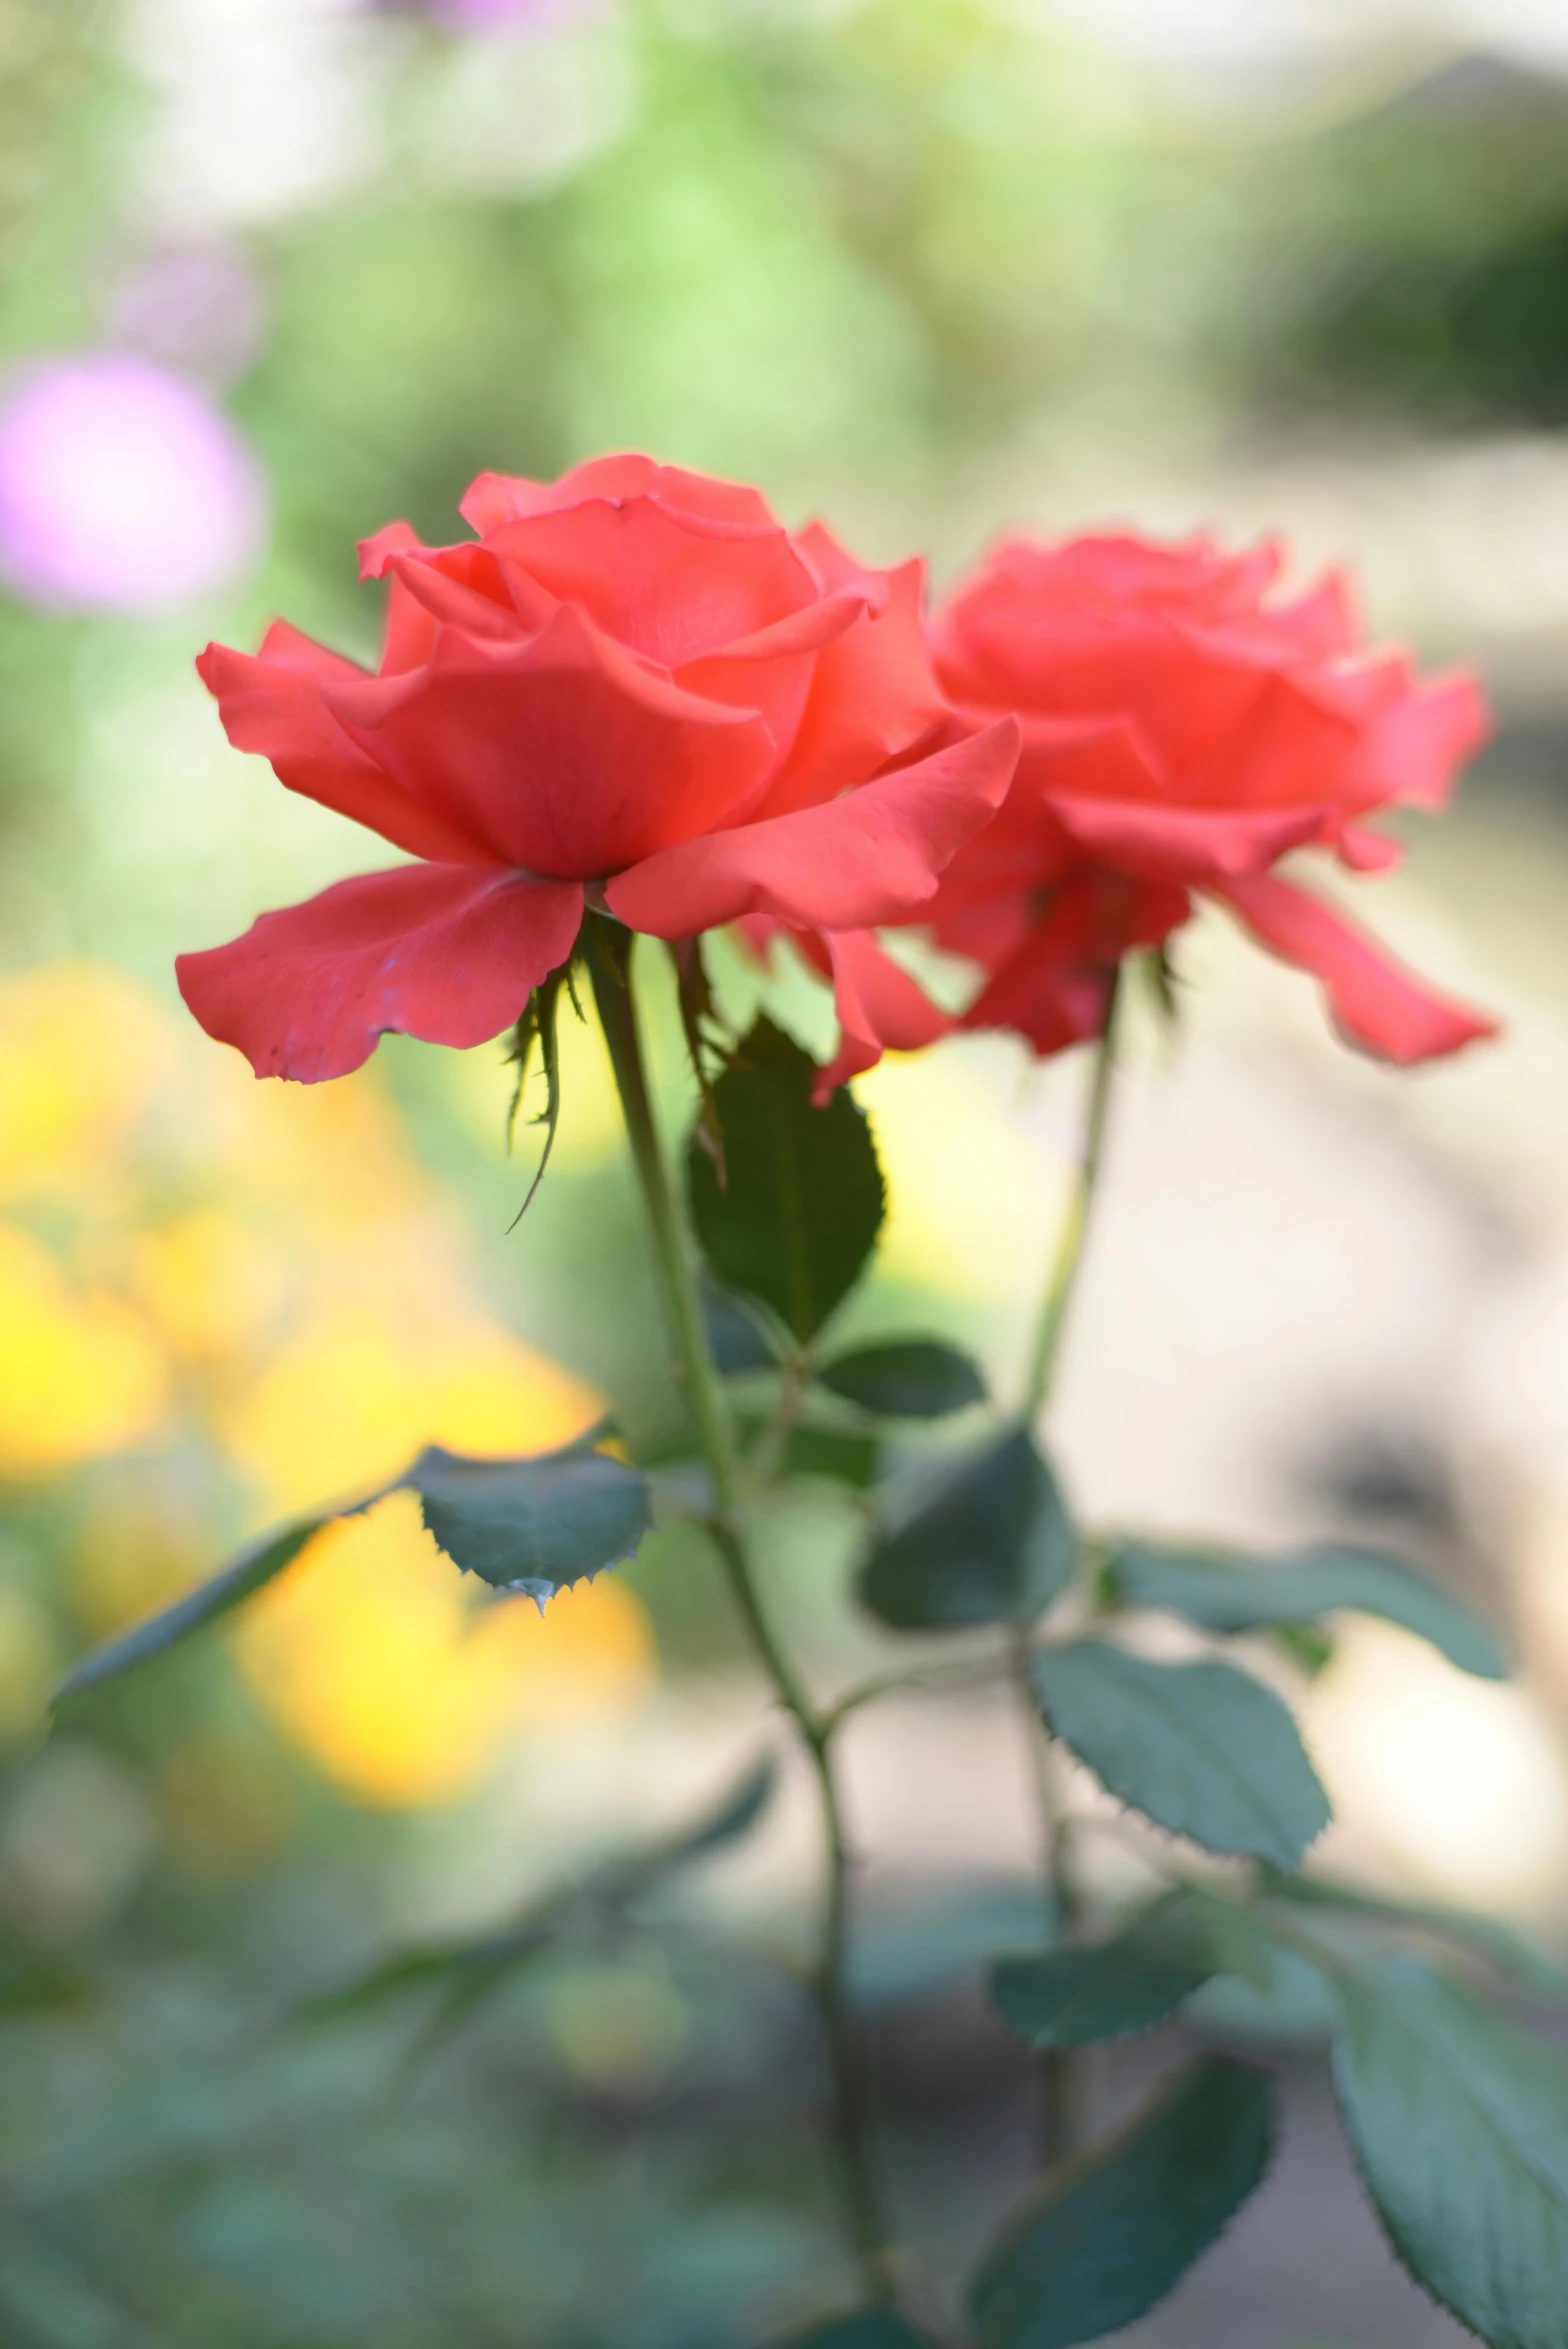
x=122 y=487
x=473 y=16
x=199 y=308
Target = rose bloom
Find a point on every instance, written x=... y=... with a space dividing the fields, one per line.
x=1183 y=731
x=631 y=689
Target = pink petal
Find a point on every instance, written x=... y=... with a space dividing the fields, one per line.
x=1375 y=1002
x=455 y=602
x=874 y=695
x=1054 y=988
x=497 y=498
x=444 y=952
x=772 y=672
x=1417 y=748
x=865 y=858
x=1183 y=845
x=1323 y=621
x=880 y=1009
x=672 y=586
x=566 y=754
x=1365 y=851
x=272 y=703
x=377 y=552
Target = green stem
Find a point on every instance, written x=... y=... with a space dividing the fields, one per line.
x=609 y=967
x=609 y=963
x=973 y=1672
x=1061 y=2075
x=1068 y=1257
x=772 y=1447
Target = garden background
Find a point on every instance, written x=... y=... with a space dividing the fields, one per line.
x=275 y=271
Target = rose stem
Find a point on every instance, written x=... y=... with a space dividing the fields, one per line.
x=1061 y=2078
x=609 y=962
x=1068 y=1258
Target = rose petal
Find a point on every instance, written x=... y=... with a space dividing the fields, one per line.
x=464 y=586
x=1293 y=745
x=873 y=698
x=1054 y=989
x=1183 y=845
x=804 y=631
x=880 y=1009
x=1365 y=851
x=272 y=703
x=1025 y=849
x=377 y=552
x=566 y=754
x=437 y=951
x=496 y=498
x=670 y=585
x=1323 y=621
x=1375 y=1002
x=772 y=671
x=860 y=860
x=1416 y=749
x=478 y=605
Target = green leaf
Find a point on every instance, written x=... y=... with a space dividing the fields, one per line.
x=1509 y=1952
x=905 y=1378
x=797 y=1211
x=536 y=1525
x=1201 y=1749
x=734 y=1339
x=911 y=1950
x=257 y=1565
x=1115 y=2230
x=735 y=1815
x=1072 y=1997
x=1235 y=1594
x=868 y=2328
x=473 y=1966
x=1294 y=2008
x=530 y=1526
x=1460 y=2125
x=992 y=1544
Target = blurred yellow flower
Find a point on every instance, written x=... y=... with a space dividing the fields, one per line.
x=335 y=1157
x=209 y=1281
x=80 y=1375
x=363 y=1385
x=401 y=1681
x=82 y=1050
x=282 y=1247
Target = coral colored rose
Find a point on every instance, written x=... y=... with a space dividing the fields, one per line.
x=633 y=684
x=1182 y=733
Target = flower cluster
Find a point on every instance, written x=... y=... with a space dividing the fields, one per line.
x=633 y=691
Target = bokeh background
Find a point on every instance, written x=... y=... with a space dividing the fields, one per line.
x=275 y=271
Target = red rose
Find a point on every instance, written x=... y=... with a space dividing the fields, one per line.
x=1182 y=733
x=633 y=682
